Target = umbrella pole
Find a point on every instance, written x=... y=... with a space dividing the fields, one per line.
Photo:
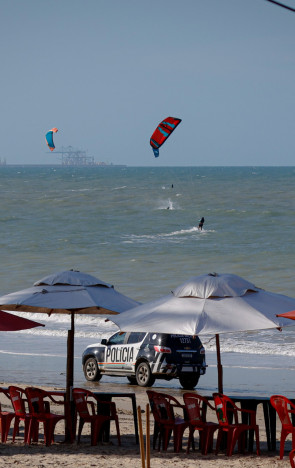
x=219 y=366
x=70 y=373
x=70 y=359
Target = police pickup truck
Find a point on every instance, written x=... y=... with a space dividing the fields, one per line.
x=145 y=357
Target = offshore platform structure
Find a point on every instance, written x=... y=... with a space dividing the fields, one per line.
x=71 y=157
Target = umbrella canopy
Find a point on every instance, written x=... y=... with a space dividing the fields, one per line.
x=209 y=304
x=289 y=315
x=10 y=322
x=69 y=292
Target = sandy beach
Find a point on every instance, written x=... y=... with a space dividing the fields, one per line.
x=128 y=454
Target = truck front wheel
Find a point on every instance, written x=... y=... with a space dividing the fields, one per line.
x=91 y=371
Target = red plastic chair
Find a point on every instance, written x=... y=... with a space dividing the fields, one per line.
x=226 y=412
x=196 y=409
x=150 y=394
x=6 y=418
x=39 y=402
x=19 y=401
x=284 y=407
x=292 y=458
x=166 y=423
x=89 y=407
x=157 y=426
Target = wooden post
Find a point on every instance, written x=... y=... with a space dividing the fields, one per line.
x=219 y=366
x=141 y=441
x=148 y=440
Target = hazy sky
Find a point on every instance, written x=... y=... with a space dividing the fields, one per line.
x=106 y=72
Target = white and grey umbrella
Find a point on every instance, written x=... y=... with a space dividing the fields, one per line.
x=69 y=292
x=209 y=304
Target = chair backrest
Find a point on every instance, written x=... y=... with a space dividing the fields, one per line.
x=18 y=398
x=281 y=404
x=6 y=393
x=222 y=405
x=161 y=406
x=80 y=396
x=195 y=406
x=170 y=398
x=36 y=402
x=150 y=394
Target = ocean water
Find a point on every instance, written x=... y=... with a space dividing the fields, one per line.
x=137 y=228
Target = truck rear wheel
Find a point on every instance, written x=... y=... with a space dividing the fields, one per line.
x=144 y=376
x=189 y=380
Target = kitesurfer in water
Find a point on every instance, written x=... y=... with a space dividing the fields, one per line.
x=201 y=222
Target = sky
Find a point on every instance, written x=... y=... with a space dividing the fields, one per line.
x=106 y=72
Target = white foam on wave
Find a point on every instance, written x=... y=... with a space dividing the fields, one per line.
x=33 y=354
x=226 y=366
x=120 y=188
x=94 y=327
x=81 y=190
x=180 y=232
x=167 y=205
x=97 y=334
x=252 y=347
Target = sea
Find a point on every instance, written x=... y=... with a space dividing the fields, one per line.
x=137 y=228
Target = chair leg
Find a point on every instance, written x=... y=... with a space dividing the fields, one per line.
x=241 y=442
x=49 y=428
x=190 y=438
x=166 y=438
x=30 y=431
x=5 y=422
x=33 y=431
x=282 y=443
x=231 y=441
x=207 y=441
x=160 y=437
x=230 y=446
x=156 y=434
x=96 y=428
x=218 y=442
x=210 y=440
x=47 y=433
x=178 y=435
x=15 y=428
x=3 y=428
x=81 y=424
x=118 y=431
x=26 y=430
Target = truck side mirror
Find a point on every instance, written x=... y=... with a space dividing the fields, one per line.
x=104 y=341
